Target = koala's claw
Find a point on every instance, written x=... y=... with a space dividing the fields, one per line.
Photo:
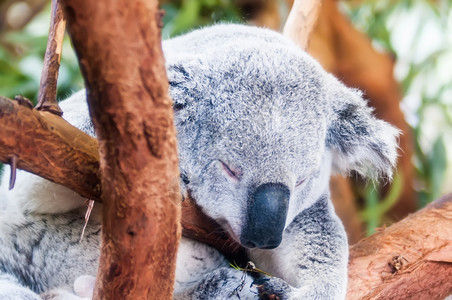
x=272 y=288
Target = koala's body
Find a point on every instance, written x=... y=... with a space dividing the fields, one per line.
x=260 y=129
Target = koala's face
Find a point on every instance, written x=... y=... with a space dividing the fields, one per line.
x=254 y=119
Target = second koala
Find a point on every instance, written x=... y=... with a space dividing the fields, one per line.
x=261 y=127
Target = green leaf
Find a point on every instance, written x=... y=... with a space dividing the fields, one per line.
x=438 y=164
x=374 y=209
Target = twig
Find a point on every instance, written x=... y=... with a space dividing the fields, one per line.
x=47 y=92
x=250 y=267
x=12 y=178
x=89 y=209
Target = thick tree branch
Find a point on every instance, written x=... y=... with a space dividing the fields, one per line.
x=118 y=45
x=47 y=145
x=411 y=259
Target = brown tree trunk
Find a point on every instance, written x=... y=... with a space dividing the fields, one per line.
x=119 y=49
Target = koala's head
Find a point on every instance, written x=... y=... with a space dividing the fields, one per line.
x=260 y=125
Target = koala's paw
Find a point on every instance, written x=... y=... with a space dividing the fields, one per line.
x=273 y=288
x=84 y=286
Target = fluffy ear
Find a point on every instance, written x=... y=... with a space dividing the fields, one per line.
x=359 y=141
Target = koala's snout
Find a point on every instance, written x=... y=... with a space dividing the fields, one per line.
x=267 y=211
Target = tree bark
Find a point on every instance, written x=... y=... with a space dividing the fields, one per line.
x=47 y=145
x=118 y=45
x=411 y=259
x=47 y=97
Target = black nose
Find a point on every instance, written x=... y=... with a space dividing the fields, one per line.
x=267 y=212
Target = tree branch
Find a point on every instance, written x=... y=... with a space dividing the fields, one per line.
x=46 y=145
x=118 y=45
x=47 y=97
x=301 y=21
x=411 y=259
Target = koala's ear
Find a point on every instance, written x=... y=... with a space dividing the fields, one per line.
x=359 y=141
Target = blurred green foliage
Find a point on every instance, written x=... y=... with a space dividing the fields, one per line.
x=376 y=208
x=22 y=52
x=21 y=56
x=184 y=15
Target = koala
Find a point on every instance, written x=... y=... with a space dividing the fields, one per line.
x=260 y=127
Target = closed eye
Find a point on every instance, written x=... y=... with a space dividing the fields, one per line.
x=299 y=182
x=231 y=173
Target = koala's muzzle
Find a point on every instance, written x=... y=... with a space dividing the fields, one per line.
x=267 y=211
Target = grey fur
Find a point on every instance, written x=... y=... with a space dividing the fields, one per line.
x=251 y=109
